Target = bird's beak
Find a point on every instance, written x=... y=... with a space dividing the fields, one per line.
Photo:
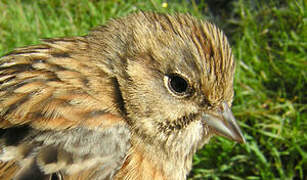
x=224 y=124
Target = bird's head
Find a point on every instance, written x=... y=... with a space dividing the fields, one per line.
x=175 y=74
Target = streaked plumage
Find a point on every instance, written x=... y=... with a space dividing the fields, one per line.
x=134 y=99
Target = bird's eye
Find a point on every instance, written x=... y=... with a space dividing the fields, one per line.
x=177 y=85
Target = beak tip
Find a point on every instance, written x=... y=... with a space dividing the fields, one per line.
x=237 y=135
x=240 y=139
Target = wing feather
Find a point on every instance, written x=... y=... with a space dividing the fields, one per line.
x=62 y=109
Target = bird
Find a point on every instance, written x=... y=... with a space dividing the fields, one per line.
x=133 y=99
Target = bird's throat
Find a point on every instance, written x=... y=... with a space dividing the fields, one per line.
x=143 y=163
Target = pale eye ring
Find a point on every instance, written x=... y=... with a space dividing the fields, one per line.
x=177 y=85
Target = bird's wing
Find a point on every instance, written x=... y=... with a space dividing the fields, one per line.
x=59 y=113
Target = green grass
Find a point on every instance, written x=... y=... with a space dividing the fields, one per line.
x=269 y=41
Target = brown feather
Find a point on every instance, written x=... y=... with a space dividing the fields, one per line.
x=8 y=170
x=131 y=100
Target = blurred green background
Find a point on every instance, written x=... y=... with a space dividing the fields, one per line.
x=270 y=46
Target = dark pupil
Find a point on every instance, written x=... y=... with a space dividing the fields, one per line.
x=178 y=84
